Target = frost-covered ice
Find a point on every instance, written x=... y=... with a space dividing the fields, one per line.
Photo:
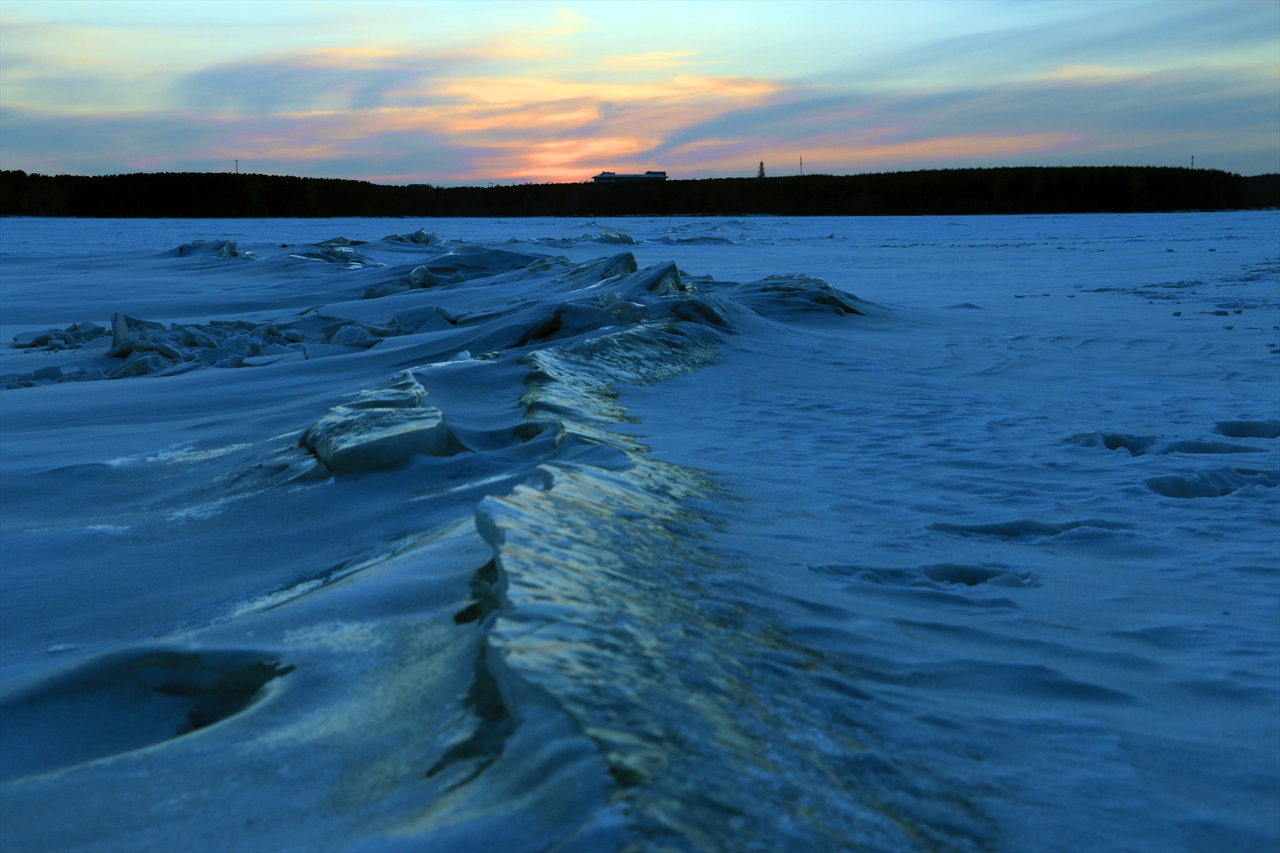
x=703 y=534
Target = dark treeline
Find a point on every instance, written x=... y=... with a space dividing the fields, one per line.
x=1109 y=189
x=1264 y=190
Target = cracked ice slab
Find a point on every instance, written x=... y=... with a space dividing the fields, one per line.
x=350 y=440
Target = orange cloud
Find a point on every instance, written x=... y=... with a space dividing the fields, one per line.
x=536 y=128
x=648 y=61
x=526 y=90
x=1091 y=73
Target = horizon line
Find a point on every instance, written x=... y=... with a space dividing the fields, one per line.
x=510 y=182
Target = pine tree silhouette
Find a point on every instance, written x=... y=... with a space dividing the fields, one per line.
x=760 y=174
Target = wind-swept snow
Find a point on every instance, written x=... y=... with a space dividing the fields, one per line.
x=695 y=534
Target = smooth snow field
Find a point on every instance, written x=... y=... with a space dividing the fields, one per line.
x=890 y=534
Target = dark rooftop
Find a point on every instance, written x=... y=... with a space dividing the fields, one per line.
x=614 y=177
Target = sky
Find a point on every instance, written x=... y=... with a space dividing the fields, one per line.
x=485 y=92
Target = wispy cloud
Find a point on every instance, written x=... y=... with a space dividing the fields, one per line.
x=315 y=80
x=652 y=61
x=1079 y=84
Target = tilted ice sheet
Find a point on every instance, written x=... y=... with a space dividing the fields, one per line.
x=960 y=533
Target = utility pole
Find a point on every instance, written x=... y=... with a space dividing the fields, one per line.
x=237 y=167
x=802 y=164
x=1193 y=161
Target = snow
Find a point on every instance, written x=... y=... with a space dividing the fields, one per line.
x=868 y=533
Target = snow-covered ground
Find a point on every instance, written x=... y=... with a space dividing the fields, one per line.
x=934 y=533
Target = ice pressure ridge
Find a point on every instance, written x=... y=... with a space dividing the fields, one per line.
x=130 y=347
x=593 y=598
x=596 y=597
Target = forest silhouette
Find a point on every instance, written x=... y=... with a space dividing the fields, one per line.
x=1006 y=190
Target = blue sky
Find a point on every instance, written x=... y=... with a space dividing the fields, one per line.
x=454 y=93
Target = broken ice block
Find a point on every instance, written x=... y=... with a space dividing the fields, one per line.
x=348 y=440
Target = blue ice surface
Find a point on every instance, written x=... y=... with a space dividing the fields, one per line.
x=887 y=533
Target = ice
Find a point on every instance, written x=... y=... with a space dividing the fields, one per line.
x=679 y=533
x=211 y=248
x=347 y=440
x=379 y=428
x=420 y=237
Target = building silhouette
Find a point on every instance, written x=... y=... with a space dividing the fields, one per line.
x=615 y=178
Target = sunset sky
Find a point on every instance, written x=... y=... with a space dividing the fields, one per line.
x=456 y=93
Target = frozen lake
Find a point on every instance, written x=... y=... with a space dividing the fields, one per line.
x=929 y=533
